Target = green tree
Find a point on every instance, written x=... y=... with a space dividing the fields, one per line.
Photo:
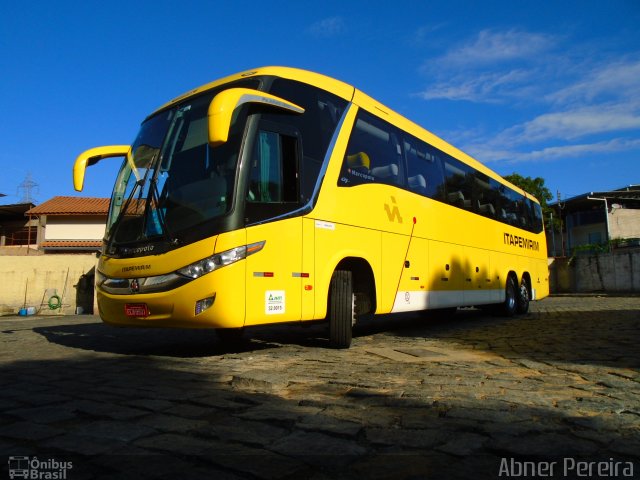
x=537 y=188
x=534 y=186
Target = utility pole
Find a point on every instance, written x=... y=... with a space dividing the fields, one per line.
x=560 y=207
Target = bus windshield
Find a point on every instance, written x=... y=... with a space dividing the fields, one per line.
x=173 y=180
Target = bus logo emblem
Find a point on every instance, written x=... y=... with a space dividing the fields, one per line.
x=394 y=212
x=134 y=286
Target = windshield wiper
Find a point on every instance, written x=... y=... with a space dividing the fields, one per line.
x=116 y=226
x=155 y=197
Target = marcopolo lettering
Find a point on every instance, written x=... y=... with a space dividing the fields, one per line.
x=521 y=242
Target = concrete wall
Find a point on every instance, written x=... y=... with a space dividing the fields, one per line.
x=608 y=272
x=624 y=223
x=37 y=278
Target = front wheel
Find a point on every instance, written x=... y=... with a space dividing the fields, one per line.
x=341 y=312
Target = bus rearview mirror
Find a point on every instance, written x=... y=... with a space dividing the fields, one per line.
x=93 y=156
x=224 y=104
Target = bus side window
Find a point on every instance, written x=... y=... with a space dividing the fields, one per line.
x=316 y=126
x=373 y=154
x=535 y=216
x=274 y=169
x=424 y=170
x=483 y=195
x=459 y=183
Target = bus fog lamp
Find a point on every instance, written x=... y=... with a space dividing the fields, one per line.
x=204 y=304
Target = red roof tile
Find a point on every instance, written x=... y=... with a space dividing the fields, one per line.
x=71 y=244
x=72 y=206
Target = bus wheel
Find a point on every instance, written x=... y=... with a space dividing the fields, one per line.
x=510 y=305
x=522 y=300
x=341 y=309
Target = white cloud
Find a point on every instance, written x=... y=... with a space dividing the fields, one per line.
x=491 y=47
x=328 y=27
x=488 y=87
x=557 y=152
x=493 y=67
x=571 y=106
x=616 y=79
x=572 y=124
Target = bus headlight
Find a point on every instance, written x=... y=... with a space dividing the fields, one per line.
x=219 y=260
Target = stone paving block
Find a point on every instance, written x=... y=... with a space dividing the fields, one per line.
x=423 y=439
x=188 y=410
x=77 y=443
x=114 y=430
x=260 y=381
x=176 y=444
x=464 y=444
x=259 y=463
x=171 y=423
x=29 y=431
x=327 y=424
x=563 y=379
x=45 y=414
x=318 y=449
x=276 y=413
x=545 y=444
x=228 y=401
x=9 y=447
x=150 y=404
x=247 y=432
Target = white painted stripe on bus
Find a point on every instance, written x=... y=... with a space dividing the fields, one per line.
x=412 y=300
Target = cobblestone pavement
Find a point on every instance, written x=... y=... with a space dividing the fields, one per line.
x=472 y=396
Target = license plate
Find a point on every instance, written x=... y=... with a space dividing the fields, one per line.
x=136 y=310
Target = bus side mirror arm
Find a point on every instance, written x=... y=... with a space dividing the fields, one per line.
x=93 y=156
x=224 y=104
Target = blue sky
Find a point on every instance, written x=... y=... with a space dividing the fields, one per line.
x=541 y=88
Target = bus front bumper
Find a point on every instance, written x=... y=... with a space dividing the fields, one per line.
x=215 y=300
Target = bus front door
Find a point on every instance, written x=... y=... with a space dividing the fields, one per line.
x=274 y=275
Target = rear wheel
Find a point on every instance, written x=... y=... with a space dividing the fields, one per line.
x=522 y=300
x=341 y=314
x=510 y=304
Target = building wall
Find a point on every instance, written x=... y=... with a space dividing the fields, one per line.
x=31 y=281
x=588 y=234
x=606 y=272
x=74 y=228
x=624 y=223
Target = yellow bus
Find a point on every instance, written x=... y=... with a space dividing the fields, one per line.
x=282 y=195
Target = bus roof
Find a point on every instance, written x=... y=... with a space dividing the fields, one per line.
x=351 y=94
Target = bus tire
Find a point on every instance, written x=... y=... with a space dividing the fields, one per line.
x=341 y=309
x=510 y=305
x=522 y=300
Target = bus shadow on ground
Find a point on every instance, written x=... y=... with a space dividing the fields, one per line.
x=606 y=338
x=185 y=343
x=127 y=411
x=147 y=342
x=603 y=337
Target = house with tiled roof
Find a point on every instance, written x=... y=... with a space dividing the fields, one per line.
x=70 y=224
